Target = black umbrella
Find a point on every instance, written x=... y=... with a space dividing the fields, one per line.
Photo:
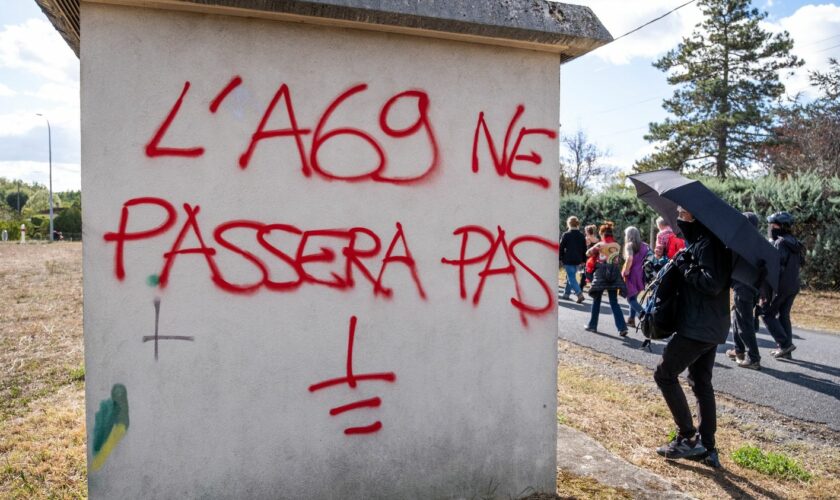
x=664 y=190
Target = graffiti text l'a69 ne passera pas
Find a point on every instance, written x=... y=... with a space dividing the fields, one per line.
x=365 y=255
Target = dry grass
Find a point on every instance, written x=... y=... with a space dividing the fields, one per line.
x=42 y=454
x=42 y=441
x=571 y=487
x=817 y=311
x=617 y=404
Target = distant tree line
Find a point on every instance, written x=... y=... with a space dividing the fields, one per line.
x=28 y=203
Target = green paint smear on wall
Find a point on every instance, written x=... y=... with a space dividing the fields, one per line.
x=111 y=412
x=153 y=280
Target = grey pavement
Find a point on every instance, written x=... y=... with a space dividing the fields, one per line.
x=806 y=388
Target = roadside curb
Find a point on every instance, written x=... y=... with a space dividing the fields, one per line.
x=581 y=455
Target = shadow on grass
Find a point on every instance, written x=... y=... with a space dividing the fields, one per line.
x=735 y=485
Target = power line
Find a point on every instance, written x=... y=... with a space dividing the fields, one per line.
x=826 y=49
x=820 y=41
x=652 y=21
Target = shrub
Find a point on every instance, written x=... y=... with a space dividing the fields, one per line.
x=69 y=221
x=814 y=202
x=13 y=227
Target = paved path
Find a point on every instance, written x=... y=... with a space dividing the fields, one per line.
x=807 y=387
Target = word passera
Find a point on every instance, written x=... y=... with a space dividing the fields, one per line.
x=363 y=255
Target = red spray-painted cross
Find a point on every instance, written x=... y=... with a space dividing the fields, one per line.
x=352 y=379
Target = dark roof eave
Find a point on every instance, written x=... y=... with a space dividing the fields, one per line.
x=570 y=30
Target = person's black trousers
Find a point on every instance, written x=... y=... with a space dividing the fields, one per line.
x=699 y=358
x=744 y=326
x=777 y=319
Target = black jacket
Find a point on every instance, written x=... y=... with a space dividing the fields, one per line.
x=791 y=252
x=572 y=248
x=704 y=291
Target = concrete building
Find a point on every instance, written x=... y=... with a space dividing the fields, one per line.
x=320 y=249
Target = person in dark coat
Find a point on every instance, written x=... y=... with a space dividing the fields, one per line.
x=777 y=313
x=746 y=284
x=572 y=255
x=702 y=324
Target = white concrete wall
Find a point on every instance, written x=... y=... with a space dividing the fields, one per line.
x=229 y=414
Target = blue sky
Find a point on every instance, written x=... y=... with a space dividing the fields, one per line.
x=611 y=93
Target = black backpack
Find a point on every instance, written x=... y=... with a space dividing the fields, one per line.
x=658 y=319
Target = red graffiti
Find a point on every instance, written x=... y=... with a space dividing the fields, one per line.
x=310 y=251
x=293 y=130
x=153 y=148
x=310 y=161
x=122 y=235
x=351 y=379
x=498 y=245
x=235 y=82
x=505 y=159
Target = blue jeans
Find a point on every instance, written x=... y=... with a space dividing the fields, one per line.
x=616 y=310
x=635 y=307
x=571 y=280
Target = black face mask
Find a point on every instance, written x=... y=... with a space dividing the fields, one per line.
x=775 y=233
x=690 y=230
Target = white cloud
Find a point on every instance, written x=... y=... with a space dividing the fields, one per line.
x=36 y=47
x=621 y=16
x=57 y=92
x=816 y=33
x=44 y=72
x=66 y=176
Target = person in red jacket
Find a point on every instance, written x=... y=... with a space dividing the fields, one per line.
x=668 y=244
x=591 y=233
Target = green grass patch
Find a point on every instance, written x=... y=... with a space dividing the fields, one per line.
x=772 y=464
x=78 y=374
x=672 y=435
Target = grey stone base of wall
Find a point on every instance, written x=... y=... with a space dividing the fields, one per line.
x=581 y=455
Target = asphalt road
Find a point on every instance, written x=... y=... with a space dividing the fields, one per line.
x=807 y=387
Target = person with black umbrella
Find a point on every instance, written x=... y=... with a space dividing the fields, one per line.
x=714 y=231
x=703 y=323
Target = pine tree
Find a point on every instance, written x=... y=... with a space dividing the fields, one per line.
x=726 y=76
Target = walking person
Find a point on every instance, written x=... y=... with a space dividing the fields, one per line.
x=667 y=243
x=746 y=284
x=607 y=278
x=592 y=239
x=635 y=253
x=572 y=255
x=702 y=324
x=777 y=313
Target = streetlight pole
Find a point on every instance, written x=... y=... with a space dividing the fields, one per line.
x=49 y=142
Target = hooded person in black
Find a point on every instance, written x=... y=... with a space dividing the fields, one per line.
x=703 y=323
x=747 y=282
x=777 y=313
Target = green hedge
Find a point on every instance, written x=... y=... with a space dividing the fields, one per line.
x=13 y=227
x=814 y=202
